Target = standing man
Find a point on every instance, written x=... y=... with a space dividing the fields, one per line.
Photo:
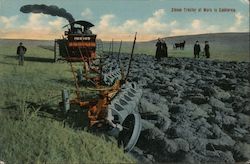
x=164 y=49
x=158 y=49
x=197 y=49
x=206 y=49
x=20 y=52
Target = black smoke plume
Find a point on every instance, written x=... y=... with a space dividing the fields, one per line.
x=50 y=10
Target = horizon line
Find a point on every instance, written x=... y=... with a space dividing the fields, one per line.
x=117 y=40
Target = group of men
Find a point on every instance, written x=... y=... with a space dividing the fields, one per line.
x=161 y=49
x=197 y=49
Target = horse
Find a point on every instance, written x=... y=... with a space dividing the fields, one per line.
x=179 y=45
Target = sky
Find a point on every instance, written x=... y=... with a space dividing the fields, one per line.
x=120 y=19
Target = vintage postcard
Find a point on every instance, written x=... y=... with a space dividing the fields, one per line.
x=124 y=81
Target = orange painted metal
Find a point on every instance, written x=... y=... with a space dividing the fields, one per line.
x=82 y=48
x=97 y=108
x=82 y=44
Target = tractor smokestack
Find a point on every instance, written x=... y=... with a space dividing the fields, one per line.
x=50 y=10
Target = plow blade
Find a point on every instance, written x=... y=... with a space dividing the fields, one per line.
x=124 y=108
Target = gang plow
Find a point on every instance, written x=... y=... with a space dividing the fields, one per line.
x=114 y=109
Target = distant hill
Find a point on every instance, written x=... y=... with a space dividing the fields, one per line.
x=228 y=38
x=225 y=46
x=233 y=42
x=29 y=42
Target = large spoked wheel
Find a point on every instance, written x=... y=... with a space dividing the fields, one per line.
x=131 y=131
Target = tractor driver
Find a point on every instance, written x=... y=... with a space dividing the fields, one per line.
x=87 y=31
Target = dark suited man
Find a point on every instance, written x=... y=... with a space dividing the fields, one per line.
x=206 y=49
x=158 y=50
x=197 y=49
x=21 y=50
x=164 y=49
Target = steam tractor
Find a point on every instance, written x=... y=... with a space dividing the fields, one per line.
x=78 y=44
x=114 y=109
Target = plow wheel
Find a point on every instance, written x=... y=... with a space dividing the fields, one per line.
x=131 y=132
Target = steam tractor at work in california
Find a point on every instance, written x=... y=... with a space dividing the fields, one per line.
x=114 y=108
x=113 y=104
